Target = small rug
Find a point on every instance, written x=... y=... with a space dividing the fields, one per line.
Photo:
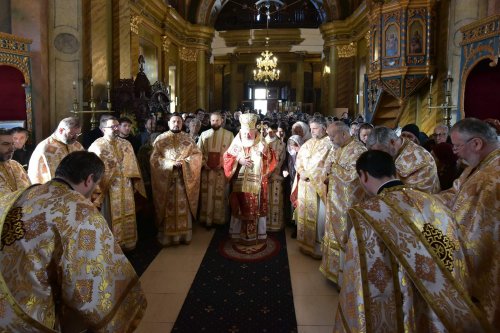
x=239 y=289
x=250 y=253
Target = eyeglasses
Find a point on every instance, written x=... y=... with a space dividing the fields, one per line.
x=460 y=146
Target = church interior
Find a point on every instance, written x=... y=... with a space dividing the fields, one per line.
x=393 y=62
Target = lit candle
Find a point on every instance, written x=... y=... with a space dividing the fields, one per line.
x=91 y=88
x=432 y=77
x=449 y=73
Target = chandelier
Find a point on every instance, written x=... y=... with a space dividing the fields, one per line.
x=267 y=64
x=266 y=68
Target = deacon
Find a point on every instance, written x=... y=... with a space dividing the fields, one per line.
x=62 y=270
x=415 y=166
x=248 y=162
x=52 y=150
x=122 y=177
x=311 y=175
x=344 y=190
x=13 y=177
x=276 y=207
x=405 y=267
x=213 y=143
x=175 y=179
x=474 y=200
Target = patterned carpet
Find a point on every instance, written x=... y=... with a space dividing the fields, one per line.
x=239 y=296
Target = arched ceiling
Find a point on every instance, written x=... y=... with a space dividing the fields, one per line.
x=240 y=14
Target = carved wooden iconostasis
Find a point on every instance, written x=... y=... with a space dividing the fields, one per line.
x=480 y=72
x=401 y=57
x=15 y=82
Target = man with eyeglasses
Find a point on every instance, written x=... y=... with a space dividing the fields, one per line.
x=50 y=152
x=122 y=178
x=441 y=133
x=474 y=200
x=12 y=175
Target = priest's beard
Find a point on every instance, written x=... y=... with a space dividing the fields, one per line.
x=216 y=127
x=175 y=131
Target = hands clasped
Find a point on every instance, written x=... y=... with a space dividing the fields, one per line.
x=246 y=161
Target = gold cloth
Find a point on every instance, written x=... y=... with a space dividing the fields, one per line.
x=214 y=186
x=275 y=205
x=60 y=257
x=175 y=189
x=13 y=177
x=416 y=167
x=311 y=165
x=46 y=158
x=474 y=200
x=344 y=190
x=117 y=186
x=249 y=192
x=405 y=269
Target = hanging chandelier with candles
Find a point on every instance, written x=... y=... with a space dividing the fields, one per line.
x=267 y=65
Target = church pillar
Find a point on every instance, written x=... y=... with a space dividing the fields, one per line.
x=233 y=102
x=299 y=94
x=462 y=12
x=201 y=78
x=332 y=80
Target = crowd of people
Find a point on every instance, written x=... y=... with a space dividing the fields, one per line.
x=405 y=225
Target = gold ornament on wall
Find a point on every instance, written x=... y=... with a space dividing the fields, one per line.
x=187 y=54
x=165 y=43
x=135 y=21
x=347 y=50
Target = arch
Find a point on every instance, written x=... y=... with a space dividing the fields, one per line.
x=480 y=98
x=15 y=65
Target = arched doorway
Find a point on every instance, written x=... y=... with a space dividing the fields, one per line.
x=481 y=96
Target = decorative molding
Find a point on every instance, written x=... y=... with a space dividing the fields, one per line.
x=188 y=54
x=135 y=21
x=480 y=30
x=14 y=45
x=165 y=43
x=347 y=50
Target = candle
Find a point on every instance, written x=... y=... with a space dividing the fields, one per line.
x=109 y=91
x=449 y=73
x=91 y=88
x=432 y=77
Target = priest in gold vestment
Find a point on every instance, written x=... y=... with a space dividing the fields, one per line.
x=213 y=143
x=121 y=179
x=415 y=165
x=474 y=200
x=175 y=179
x=13 y=177
x=49 y=152
x=248 y=162
x=275 y=204
x=344 y=190
x=405 y=269
x=311 y=169
x=60 y=267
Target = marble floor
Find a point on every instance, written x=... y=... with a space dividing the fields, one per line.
x=169 y=277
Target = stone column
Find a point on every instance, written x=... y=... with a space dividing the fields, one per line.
x=201 y=80
x=462 y=12
x=333 y=59
x=299 y=94
x=233 y=101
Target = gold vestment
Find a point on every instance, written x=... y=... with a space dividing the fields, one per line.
x=474 y=200
x=405 y=269
x=117 y=186
x=13 y=177
x=214 y=186
x=59 y=260
x=46 y=158
x=275 y=205
x=175 y=189
x=344 y=190
x=416 y=167
x=311 y=176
